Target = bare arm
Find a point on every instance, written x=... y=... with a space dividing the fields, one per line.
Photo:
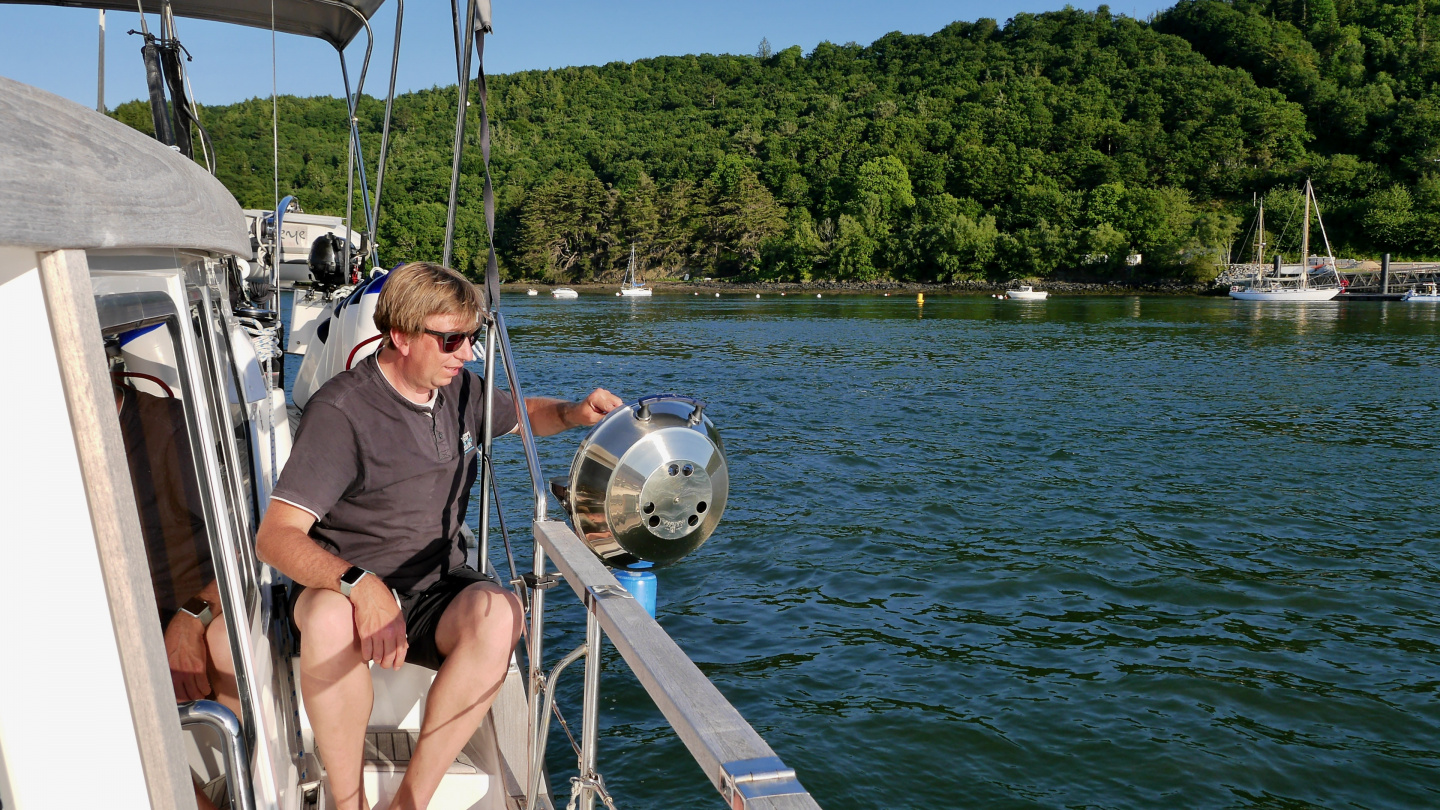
x=284 y=542
x=550 y=416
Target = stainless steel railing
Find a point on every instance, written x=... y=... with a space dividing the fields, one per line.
x=237 y=759
x=738 y=762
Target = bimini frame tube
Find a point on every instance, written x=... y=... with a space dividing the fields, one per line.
x=461 y=108
x=385 y=133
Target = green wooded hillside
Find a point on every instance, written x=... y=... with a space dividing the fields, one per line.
x=1050 y=146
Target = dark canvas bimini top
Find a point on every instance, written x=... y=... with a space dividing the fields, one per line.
x=335 y=21
x=388 y=480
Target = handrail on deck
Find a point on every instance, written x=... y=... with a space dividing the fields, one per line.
x=237 y=759
x=738 y=762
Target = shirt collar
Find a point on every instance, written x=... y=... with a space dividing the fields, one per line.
x=428 y=407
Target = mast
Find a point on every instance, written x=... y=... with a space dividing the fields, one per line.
x=1260 y=235
x=1305 y=240
x=100 y=84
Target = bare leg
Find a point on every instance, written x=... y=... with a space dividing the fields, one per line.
x=222 y=665
x=337 y=689
x=476 y=635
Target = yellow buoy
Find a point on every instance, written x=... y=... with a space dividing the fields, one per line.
x=920 y=299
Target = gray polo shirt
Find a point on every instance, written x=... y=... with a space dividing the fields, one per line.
x=388 y=480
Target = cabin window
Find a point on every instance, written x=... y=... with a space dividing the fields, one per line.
x=155 y=424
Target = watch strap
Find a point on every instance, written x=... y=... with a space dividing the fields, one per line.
x=350 y=579
x=200 y=609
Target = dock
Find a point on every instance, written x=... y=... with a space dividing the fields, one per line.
x=1385 y=280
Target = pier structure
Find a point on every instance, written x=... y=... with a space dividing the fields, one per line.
x=1388 y=278
x=1363 y=280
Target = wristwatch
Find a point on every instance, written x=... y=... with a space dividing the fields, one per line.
x=350 y=579
x=200 y=609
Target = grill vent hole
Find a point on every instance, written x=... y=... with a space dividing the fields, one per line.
x=700 y=507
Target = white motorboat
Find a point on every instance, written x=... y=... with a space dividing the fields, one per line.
x=1314 y=279
x=532 y=292
x=125 y=268
x=1025 y=292
x=632 y=288
x=564 y=292
x=1427 y=293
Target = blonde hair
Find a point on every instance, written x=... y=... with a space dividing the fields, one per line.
x=415 y=291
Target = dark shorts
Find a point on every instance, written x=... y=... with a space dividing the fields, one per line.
x=422 y=611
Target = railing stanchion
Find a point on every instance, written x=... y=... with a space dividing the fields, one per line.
x=590 y=719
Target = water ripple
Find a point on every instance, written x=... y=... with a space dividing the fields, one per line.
x=1101 y=552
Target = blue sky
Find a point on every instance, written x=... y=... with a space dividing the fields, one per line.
x=55 y=48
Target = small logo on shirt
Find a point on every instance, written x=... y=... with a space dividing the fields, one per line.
x=466 y=443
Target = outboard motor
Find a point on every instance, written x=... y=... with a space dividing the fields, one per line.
x=649 y=482
x=327 y=262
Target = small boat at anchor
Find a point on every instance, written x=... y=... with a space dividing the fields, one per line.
x=1427 y=293
x=564 y=292
x=1025 y=292
x=632 y=288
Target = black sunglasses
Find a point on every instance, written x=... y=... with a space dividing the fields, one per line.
x=450 y=342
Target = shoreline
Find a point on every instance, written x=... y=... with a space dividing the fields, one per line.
x=880 y=287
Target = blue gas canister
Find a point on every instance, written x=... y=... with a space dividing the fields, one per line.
x=640 y=582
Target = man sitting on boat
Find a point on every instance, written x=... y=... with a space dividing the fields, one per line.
x=372 y=501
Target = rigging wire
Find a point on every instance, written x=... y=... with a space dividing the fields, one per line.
x=275 y=159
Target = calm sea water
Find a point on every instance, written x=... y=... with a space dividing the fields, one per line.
x=1091 y=552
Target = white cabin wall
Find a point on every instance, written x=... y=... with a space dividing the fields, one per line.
x=67 y=736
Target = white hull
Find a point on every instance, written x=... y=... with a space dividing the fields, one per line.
x=635 y=292
x=1421 y=299
x=1295 y=294
x=1026 y=295
x=564 y=292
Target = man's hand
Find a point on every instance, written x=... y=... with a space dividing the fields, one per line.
x=592 y=409
x=379 y=623
x=188 y=656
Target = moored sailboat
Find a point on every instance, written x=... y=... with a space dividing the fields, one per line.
x=632 y=288
x=1314 y=279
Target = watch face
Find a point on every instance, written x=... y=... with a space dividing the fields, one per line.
x=353 y=575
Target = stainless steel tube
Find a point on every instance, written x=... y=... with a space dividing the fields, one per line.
x=590 y=733
x=542 y=734
x=460 y=113
x=237 y=759
x=527 y=435
x=487 y=439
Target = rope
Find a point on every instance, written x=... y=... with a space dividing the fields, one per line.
x=265 y=338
